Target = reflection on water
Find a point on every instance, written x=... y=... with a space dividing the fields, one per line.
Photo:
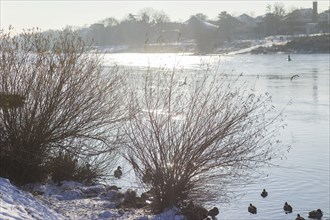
x=161 y=60
x=302 y=179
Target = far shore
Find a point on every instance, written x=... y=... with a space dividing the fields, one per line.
x=275 y=44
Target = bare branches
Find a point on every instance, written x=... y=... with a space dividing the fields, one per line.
x=213 y=132
x=71 y=102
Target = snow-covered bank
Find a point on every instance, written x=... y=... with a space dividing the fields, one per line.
x=70 y=200
x=271 y=44
x=16 y=204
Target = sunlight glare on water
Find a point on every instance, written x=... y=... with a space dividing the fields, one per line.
x=302 y=178
x=161 y=60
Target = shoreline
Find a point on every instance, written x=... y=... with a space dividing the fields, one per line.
x=304 y=44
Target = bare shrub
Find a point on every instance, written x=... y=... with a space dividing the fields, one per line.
x=71 y=104
x=191 y=140
x=66 y=166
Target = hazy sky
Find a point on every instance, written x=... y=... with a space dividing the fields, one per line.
x=50 y=14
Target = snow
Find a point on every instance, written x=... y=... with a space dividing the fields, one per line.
x=267 y=42
x=70 y=200
x=16 y=204
x=171 y=213
x=194 y=20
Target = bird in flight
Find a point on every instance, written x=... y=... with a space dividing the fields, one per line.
x=294 y=76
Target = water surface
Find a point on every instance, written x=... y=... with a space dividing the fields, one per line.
x=302 y=179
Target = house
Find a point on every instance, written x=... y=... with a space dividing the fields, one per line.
x=324 y=22
x=306 y=21
x=247 y=27
x=202 y=32
x=247 y=20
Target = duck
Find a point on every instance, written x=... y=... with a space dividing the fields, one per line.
x=299 y=217
x=316 y=214
x=118 y=173
x=287 y=208
x=264 y=193
x=213 y=212
x=252 y=209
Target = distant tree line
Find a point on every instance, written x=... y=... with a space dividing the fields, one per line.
x=150 y=27
x=142 y=28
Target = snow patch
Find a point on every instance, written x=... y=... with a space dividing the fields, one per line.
x=170 y=214
x=18 y=205
x=71 y=200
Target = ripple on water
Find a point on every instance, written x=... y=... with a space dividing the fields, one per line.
x=303 y=178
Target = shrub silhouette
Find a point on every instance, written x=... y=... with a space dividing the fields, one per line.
x=65 y=166
x=189 y=143
x=71 y=103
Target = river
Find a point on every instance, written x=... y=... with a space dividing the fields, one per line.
x=302 y=178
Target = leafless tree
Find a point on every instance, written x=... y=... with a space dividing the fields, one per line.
x=279 y=9
x=152 y=16
x=110 y=22
x=190 y=139
x=160 y=17
x=72 y=103
x=202 y=16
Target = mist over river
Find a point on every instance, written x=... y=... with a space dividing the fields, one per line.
x=302 y=179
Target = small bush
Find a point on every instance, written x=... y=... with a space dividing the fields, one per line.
x=65 y=166
x=87 y=174
x=23 y=168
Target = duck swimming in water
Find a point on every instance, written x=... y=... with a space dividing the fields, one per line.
x=118 y=173
x=252 y=209
x=264 y=193
x=299 y=217
x=316 y=214
x=213 y=212
x=287 y=208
